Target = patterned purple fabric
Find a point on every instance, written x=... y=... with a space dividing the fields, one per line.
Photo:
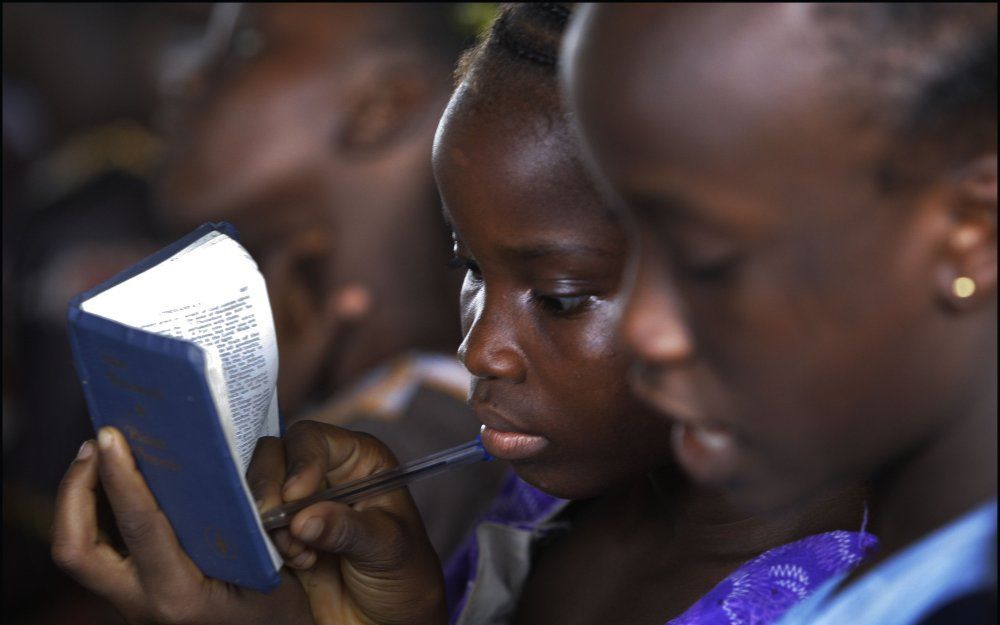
x=763 y=589
x=757 y=593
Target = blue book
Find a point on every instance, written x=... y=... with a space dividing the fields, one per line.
x=178 y=352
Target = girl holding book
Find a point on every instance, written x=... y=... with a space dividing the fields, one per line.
x=543 y=258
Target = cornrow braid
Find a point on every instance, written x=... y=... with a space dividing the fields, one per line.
x=502 y=34
x=526 y=31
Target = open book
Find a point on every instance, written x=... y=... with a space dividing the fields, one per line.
x=179 y=353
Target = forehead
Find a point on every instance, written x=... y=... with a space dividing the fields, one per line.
x=514 y=176
x=739 y=100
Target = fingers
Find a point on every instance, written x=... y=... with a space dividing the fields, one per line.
x=266 y=472
x=76 y=544
x=374 y=540
x=158 y=557
x=265 y=476
x=318 y=453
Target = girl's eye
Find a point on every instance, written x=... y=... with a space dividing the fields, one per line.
x=566 y=305
x=719 y=271
x=460 y=262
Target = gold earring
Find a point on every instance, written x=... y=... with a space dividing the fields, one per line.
x=963 y=287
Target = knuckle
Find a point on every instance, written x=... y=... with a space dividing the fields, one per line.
x=394 y=548
x=305 y=429
x=137 y=527
x=375 y=453
x=340 y=537
x=68 y=557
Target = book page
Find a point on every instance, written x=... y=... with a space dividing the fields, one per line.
x=212 y=294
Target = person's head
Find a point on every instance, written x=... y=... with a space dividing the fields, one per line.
x=308 y=127
x=812 y=181
x=543 y=258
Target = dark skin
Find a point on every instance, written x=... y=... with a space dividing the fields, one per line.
x=288 y=144
x=377 y=566
x=541 y=295
x=291 y=144
x=377 y=562
x=819 y=307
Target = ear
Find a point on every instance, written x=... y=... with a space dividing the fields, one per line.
x=968 y=274
x=310 y=316
x=384 y=110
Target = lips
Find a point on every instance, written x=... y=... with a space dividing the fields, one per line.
x=707 y=451
x=504 y=440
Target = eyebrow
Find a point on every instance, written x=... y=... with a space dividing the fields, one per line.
x=672 y=205
x=531 y=252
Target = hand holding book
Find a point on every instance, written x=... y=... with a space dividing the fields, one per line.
x=374 y=564
x=177 y=355
x=156 y=582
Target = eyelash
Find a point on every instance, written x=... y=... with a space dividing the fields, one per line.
x=465 y=264
x=563 y=306
x=713 y=272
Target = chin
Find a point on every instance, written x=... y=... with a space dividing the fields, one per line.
x=562 y=482
x=765 y=497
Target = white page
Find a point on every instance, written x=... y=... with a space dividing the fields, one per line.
x=212 y=294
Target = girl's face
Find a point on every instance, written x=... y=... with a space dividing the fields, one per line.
x=543 y=261
x=815 y=308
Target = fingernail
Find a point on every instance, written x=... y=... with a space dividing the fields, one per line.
x=288 y=483
x=311 y=530
x=105 y=439
x=86 y=451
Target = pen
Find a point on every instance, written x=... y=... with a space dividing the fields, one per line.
x=382 y=482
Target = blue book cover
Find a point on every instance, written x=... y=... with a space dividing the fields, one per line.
x=174 y=398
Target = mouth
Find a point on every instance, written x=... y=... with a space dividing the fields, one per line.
x=707 y=451
x=504 y=440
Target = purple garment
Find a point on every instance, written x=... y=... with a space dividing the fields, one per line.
x=757 y=593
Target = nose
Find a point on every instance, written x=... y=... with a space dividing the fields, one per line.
x=653 y=325
x=489 y=349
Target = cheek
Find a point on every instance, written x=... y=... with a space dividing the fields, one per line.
x=580 y=360
x=591 y=338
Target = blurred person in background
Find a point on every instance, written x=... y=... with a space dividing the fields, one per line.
x=815 y=190
x=79 y=86
x=309 y=128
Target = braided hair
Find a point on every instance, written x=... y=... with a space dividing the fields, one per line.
x=520 y=51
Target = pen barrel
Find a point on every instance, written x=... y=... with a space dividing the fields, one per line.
x=381 y=482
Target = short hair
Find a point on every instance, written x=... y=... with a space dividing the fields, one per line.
x=512 y=72
x=929 y=75
x=521 y=50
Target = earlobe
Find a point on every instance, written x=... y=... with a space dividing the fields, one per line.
x=348 y=304
x=969 y=275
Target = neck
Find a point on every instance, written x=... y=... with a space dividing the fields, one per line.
x=716 y=526
x=954 y=470
x=709 y=526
